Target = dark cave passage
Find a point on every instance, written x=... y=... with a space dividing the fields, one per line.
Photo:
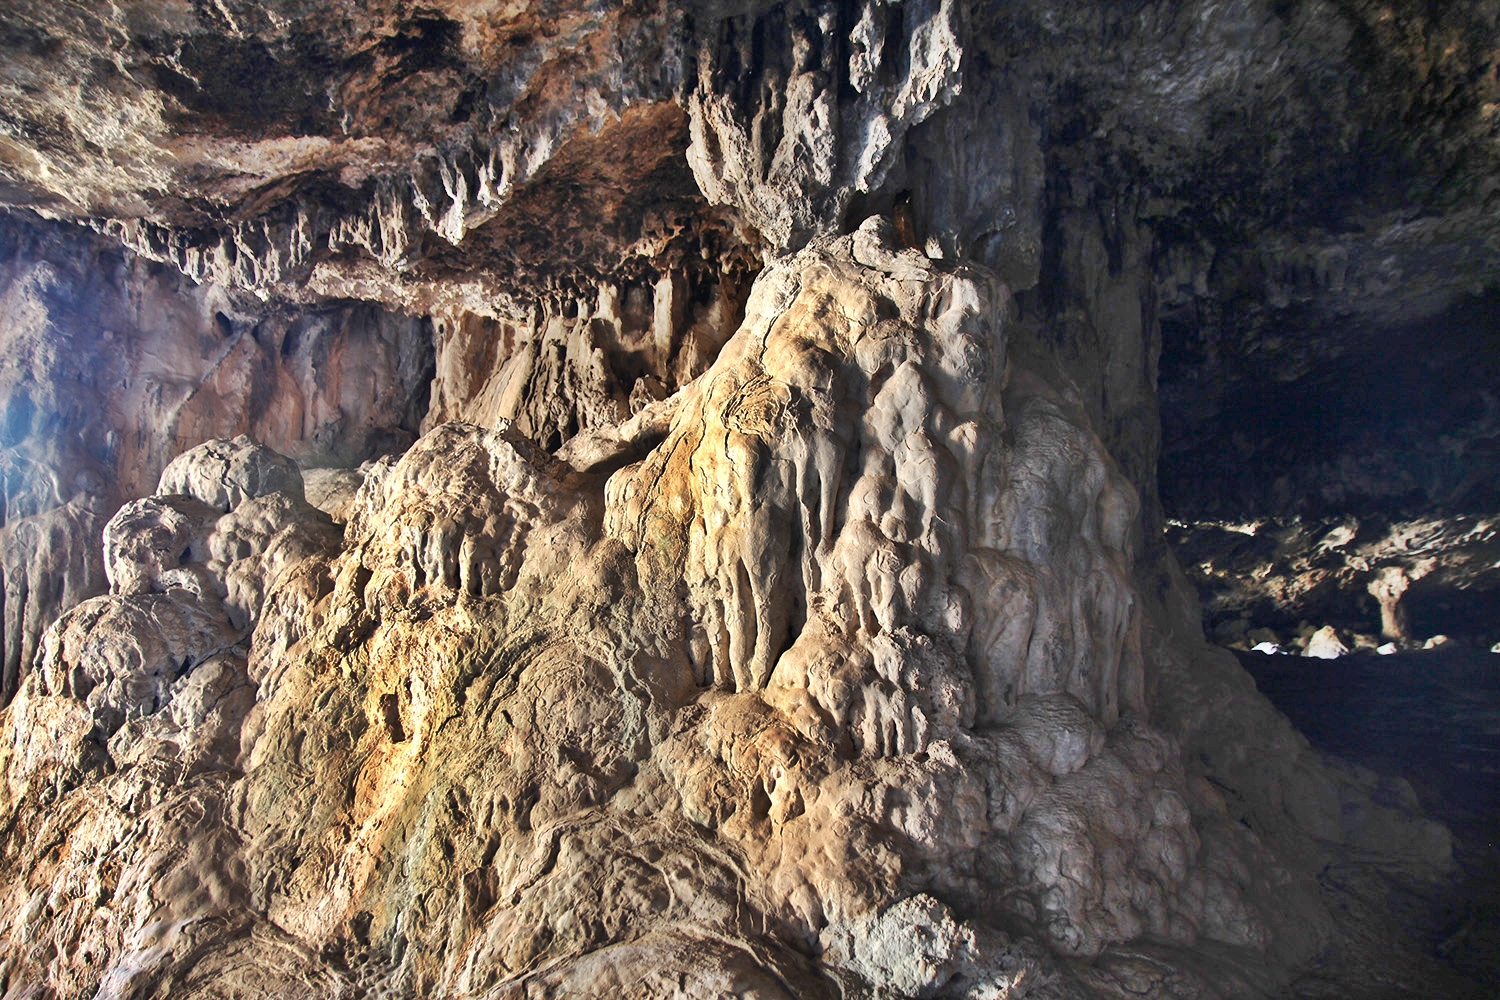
x=1329 y=479
x=1432 y=719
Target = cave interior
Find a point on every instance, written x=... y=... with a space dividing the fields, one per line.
x=580 y=499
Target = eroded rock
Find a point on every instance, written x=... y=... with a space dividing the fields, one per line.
x=810 y=639
x=115 y=366
x=855 y=649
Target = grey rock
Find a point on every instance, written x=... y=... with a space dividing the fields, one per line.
x=222 y=474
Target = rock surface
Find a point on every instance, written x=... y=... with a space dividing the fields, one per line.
x=747 y=692
x=1379 y=581
x=1430 y=722
x=113 y=366
x=563 y=499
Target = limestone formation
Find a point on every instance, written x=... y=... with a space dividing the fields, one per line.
x=114 y=367
x=747 y=691
x=142 y=694
x=657 y=500
x=589 y=364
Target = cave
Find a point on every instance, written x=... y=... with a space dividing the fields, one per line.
x=776 y=499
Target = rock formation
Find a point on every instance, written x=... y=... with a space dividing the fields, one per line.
x=623 y=500
x=114 y=365
x=1383 y=583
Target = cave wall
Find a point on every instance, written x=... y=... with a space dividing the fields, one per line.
x=1365 y=416
x=114 y=365
x=759 y=566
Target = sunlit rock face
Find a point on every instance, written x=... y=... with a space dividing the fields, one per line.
x=543 y=501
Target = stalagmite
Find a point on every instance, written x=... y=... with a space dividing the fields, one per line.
x=651 y=500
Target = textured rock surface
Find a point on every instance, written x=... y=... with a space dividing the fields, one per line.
x=1377 y=581
x=729 y=560
x=113 y=366
x=745 y=694
x=141 y=695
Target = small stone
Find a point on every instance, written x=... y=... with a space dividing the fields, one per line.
x=1325 y=644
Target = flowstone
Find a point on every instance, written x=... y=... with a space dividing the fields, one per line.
x=842 y=687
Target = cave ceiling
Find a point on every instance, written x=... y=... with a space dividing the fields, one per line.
x=1336 y=153
x=1317 y=181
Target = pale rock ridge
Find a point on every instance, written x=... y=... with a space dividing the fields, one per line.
x=916 y=948
x=187 y=578
x=857 y=598
x=222 y=474
x=838 y=447
x=456 y=513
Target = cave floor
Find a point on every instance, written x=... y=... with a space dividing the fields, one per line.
x=1433 y=718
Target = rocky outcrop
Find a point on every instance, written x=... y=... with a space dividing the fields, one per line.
x=790 y=685
x=142 y=693
x=798 y=111
x=590 y=363
x=298 y=155
x=113 y=366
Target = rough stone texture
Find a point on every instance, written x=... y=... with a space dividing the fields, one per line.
x=745 y=695
x=589 y=363
x=302 y=144
x=774 y=602
x=798 y=111
x=114 y=365
x=51 y=562
x=223 y=474
x=1376 y=580
x=333 y=490
x=142 y=694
